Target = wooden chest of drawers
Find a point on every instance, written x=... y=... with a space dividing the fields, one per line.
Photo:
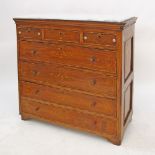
x=78 y=74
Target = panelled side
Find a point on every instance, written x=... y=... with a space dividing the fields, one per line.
x=127 y=76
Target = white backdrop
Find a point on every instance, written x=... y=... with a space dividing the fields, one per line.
x=139 y=138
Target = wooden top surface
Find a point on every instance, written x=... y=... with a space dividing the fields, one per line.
x=120 y=22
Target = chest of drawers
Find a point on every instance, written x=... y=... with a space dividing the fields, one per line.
x=78 y=74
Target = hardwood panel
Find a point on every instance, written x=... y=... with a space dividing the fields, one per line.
x=127 y=102
x=128 y=57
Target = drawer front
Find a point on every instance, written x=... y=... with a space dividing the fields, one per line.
x=69 y=98
x=53 y=74
x=29 y=33
x=87 y=58
x=61 y=35
x=100 y=38
x=69 y=117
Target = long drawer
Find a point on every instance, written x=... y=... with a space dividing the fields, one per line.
x=70 y=117
x=69 y=98
x=87 y=58
x=53 y=74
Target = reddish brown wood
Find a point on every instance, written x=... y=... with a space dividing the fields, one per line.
x=87 y=58
x=78 y=100
x=29 y=33
x=101 y=38
x=62 y=35
x=54 y=74
x=56 y=113
x=78 y=74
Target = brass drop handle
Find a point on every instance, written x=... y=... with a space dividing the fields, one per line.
x=28 y=30
x=113 y=40
x=94 y=82
x=93 y=59
x=37 y=91
x=93 y=104
x=35 y=72
x=95 y=122
x=33 y=52
x=85 y=37
x=99 y=35
x=37 y=108
x=61 y=33
x=60 y=48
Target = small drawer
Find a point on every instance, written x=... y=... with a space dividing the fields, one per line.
x=73 y=118
x=86 y=58
x=69 y=77
x=100 y=38
x=69 y=98
x=29 y=33
x=62 y=35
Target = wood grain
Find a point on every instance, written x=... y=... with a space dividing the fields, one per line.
x=67 y=116
x=93 y=59
x=69 y=98
x=54 y=74
x=77 y=74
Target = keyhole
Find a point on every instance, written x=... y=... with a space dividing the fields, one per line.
x=93 y=82
x=93 y=104
x=37 y=91
x=37 y=108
